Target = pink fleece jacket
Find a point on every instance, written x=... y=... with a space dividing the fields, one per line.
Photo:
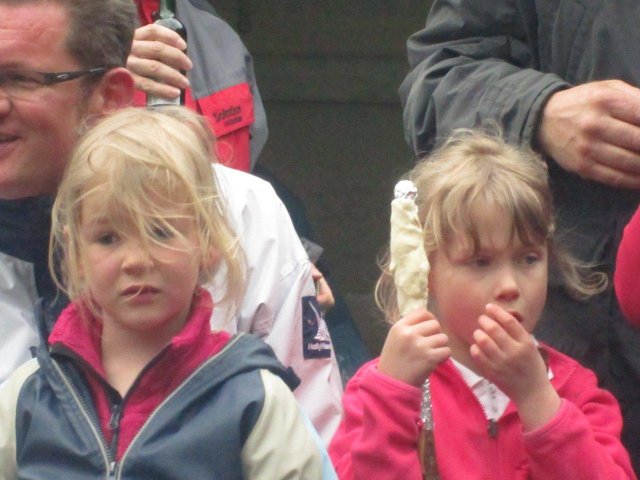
x=378 y=434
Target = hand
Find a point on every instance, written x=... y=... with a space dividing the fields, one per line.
x=507 y=356
x=324 y=295
x=593 y=130
x=414 y=347
x=157 y=56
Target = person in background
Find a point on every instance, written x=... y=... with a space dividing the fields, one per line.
x=562 y=78
x=138 y=226
x=220 y=84
x=504 y=405
x=62 y=66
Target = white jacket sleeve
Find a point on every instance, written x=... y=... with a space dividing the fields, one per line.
x=283 y=444
x=279 y=300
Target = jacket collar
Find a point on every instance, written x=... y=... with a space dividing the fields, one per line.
x=79 y=331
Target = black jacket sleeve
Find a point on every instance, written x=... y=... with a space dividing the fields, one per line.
x=474 y=62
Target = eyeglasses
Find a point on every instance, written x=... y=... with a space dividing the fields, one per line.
x=18 y=83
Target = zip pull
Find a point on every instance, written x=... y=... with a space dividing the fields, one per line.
x=114 y=425
x=114 y=421
x=112 y=469
x=492 y=428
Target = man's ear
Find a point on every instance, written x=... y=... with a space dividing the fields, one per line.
x=114 y=91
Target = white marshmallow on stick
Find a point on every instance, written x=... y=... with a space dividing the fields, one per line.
x=410 y=268
x=408 y=261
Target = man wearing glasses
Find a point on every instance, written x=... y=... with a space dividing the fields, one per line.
x=62 y=63
x=40 y=116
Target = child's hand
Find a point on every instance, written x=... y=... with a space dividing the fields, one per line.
x=508 y=357
x=415 y=345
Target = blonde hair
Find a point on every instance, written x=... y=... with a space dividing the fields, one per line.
x=473 y=170
x=132 y=159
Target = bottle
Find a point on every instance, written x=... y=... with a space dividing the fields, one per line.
x=166 y=17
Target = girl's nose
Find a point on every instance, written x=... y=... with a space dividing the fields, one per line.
x=507 y=286
x=136 y=257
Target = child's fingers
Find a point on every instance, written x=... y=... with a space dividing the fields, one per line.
x=493 y=330
x=487 y=345
x=438 y=340
x=439 y=354
x=417 y=316
x=409 y=356
x=507 y=320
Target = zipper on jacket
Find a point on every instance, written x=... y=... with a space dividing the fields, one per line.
x=93 y=422
x=492 y=424
x=492 y=428
x=114 y=426
x=175 y=392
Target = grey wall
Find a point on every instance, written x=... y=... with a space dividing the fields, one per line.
x=329 y=72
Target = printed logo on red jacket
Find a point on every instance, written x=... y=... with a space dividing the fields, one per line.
x=228 y=109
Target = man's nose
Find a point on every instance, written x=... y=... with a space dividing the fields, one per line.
x=5 y=102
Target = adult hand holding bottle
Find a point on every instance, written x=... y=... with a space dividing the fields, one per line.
x=157 y=61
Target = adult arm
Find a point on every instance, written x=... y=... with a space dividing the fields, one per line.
x=470 y=64
x=626 y=279
x=221 y=79
x=474 y=65
x=379 y=429
x=279 y=300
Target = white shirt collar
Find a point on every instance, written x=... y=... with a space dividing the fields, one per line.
x=493 y=400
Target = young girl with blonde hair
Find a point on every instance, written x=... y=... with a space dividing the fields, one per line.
x=132 y=383
x=504 y=406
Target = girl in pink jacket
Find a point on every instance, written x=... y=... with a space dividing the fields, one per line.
x=504 y=405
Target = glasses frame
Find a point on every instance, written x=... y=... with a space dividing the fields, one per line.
x=53 y=78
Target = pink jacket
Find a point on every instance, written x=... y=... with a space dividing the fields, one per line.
x=626 y=279
x=378 y=434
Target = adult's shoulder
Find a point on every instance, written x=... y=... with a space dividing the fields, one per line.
x=260 y=219
x=240 y=188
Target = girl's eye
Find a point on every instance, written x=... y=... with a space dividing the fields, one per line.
x=480 y=262
x=106 y=239
x=161 y=233
x=531 y=259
